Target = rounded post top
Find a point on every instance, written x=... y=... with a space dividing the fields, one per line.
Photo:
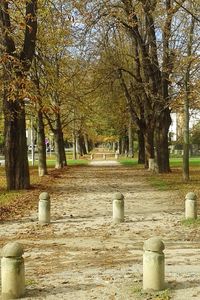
x=118 y=196
x=44 y=196
x=191 y=196
x=154 y=244
x=12 y=249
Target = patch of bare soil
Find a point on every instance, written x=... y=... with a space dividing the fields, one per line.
x=83 y=255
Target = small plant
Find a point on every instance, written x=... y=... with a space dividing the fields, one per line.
x=163 y=295
x=150 y=295
x=30 y=281
x=191 y=222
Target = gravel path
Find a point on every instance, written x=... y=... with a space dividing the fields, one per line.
x=83 y=255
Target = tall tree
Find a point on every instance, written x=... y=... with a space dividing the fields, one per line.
x=186 y=138
x=16 y=64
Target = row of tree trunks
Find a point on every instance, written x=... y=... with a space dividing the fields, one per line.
x=81 y=144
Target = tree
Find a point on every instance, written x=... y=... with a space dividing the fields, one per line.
x=16 y=64
x=151 y=28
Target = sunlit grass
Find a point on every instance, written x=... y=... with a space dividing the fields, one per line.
x=177 y=162
x=128 y=161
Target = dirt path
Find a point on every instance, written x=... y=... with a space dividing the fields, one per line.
x=82 y=255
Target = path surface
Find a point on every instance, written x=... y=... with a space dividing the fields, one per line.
x=81 y=255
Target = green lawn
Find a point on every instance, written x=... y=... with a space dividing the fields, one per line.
x=174 y=162
x=128 y=161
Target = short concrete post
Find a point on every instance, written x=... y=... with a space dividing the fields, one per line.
x=116 y=155
x=151 y=164
x=92 y=156
x=104 y=156
x=44 y=208
x=118 y=208
x=191 y=206
x=153 y=265
x=12 y=271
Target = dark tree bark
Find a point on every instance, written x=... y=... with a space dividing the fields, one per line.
x=59 y=140
x=141 y=147
x=42 y=165
x=16 y=159
x=162 y=150
x=186 y=135
x=130 y=140
x=15 y=67
x=82 y=144
x=59 y=145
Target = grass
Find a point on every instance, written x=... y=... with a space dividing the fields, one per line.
x=177 y=162
x=159 y=183
x=72 y=162
x=153 y=295
x=174 y=162
x=191 y=222
x=7 y=196
x=129 y=162
x=51 y=162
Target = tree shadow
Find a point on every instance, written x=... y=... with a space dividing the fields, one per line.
x=64 y=289
x=176 y=285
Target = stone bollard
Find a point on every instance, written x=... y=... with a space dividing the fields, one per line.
x=104 y=156
x=151 y=164
x=191 y=206
x=12 y=271
x=153 y=265
x=116 y=156
x=44 y=208
x=92 y=156
x=118 y=208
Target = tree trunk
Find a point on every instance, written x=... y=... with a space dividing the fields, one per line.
x=186 y=137
x=78 y=145
x=130 y=140
x=64 y=160
x=82 y=144
x=15 y=67
x=149 y=145
x=86 y=143
x=74 y=146
x=42 y=165
x=59 y=145
x=16 y=156
x=141 y=147
x=162 y=150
